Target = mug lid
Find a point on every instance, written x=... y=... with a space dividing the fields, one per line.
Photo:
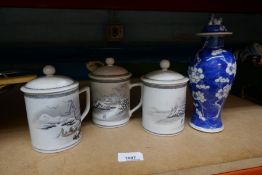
x=164 y=76
x=110 y=72
x=50 y=83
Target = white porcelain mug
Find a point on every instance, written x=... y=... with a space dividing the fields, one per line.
x=164 y=101
x=110 y=86
x=53 y=112
x=164 y=109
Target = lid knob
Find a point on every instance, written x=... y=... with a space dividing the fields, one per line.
x=110 y=61
x=164 y=64
x=49 y=70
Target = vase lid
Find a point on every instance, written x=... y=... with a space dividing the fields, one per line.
x=49 y=83
x=164 y=76
x=214 y=27
x=110 y=72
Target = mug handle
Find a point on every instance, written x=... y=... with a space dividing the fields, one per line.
x=140 y=102
x=87 y=90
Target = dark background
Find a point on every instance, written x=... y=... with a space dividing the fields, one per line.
x=68 y=34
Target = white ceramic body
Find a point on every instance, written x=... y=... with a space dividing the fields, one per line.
x=163 y=111
x=111 y=103
x=55 y=120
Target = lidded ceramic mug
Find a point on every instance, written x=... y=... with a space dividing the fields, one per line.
x=164 y=100
x=53 y=111
x=110 y=88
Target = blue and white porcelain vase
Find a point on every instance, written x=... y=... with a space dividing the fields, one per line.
x=211 y=75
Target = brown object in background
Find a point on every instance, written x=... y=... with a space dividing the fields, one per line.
x=114 y=32
x=16 y=80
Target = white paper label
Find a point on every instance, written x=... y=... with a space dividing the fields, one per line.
x=131 y=156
